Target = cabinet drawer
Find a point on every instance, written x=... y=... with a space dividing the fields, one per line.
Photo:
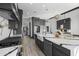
x=47 y=48
x=59 y=50
x=48 y=42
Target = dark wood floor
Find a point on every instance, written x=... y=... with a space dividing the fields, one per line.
x=30 y=48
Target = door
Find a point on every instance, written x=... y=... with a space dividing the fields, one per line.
x=29 y=29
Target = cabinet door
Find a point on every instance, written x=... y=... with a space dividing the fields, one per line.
x=59 y=23
x=58 y=26
x=57 y=52
x=47 y=48
x=60 y=51
x=67 y=23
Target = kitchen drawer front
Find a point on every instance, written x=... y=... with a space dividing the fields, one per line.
x=39 y=44
x=60 y=51
x=57 y=52
x=47 y=48
x=50 y=43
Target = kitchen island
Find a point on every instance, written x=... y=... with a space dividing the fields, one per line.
x=53 y=46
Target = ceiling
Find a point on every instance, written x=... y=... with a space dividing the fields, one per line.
x=45 y=10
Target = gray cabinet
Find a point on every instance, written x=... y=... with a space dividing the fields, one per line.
x=47 y=47
x=60 y=22
x=52 y=49
x=66 y=22
x=60 y=51
x=38 y=42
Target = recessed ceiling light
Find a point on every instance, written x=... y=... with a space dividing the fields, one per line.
x=31 y=3
x=43 y=6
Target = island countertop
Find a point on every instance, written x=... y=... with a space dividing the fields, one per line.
x=63 y=41
x=60 y=40
x=71 y=44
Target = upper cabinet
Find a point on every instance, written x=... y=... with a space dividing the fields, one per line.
x=59 y=23
x=66 y=22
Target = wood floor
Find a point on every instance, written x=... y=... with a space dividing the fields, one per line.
x=30 y=48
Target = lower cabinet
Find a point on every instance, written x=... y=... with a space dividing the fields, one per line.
x=58 y=50
x=52 y=49
x=39 y=43
x=47 y=48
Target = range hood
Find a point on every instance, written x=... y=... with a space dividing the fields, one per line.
x=5 y=14
x=7 y=9
x=15 y=10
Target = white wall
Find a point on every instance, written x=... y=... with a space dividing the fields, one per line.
x=5 y=14
x=4 y=32
x=74 y=15
x=52 y=25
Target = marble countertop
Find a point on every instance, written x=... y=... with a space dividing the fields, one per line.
x=16 y=35
x=69 y=43
x=4 y=51
x=63 y=41
x=66 y=41
x=40 y=36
